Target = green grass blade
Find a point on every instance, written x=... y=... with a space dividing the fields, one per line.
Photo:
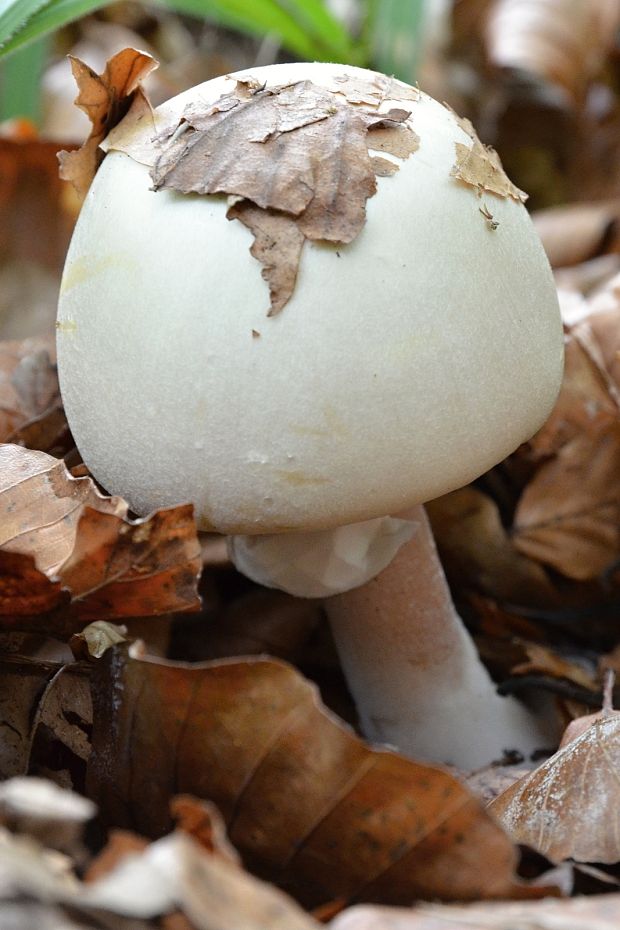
x=20 y=80
x=261 y=18
x=47 y=18
x=394 y=33
x=14 y=13
x=314 y=16
x=305 y=27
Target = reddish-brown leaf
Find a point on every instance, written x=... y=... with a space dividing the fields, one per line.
x=61 y=539
x=306 y=802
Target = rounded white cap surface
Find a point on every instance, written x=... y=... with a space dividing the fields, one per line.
x=404 y=365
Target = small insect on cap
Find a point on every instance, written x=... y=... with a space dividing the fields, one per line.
x=305 y=296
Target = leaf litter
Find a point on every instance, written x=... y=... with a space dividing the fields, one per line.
x=518 y=912
x=568 y=807
x=353 y=823
x=69 y=554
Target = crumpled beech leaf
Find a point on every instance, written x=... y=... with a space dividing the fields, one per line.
x=105 y=98
x=569 y=808
x=70 y=553
x=306 y=802
x=294 y=158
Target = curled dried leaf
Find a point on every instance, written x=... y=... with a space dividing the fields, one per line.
x=105 y=98
x=307 y=803
x=568 y=808
x=62 y=540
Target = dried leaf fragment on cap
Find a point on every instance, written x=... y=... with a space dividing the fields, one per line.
x=375 y=91
x=295 y=158
x=105 y=98
x=480 y=167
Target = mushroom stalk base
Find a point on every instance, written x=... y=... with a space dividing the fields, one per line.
x=414 y=672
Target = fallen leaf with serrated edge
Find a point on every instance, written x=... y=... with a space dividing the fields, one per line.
x=306 y=802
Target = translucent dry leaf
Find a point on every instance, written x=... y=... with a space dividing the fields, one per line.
x=306 y=802
x=569 y=808
x=480 y=167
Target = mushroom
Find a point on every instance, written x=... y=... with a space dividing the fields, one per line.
x=395 y=365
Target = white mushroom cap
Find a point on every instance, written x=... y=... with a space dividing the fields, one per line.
x=404 y=365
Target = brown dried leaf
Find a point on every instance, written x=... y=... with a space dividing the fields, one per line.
x=382 y=167
x=568 y=516
x=306 y=802
x=33 y=694
x=481 y=168
x=30 y=407
x=372 y=91
x=544 y=660
x=143 y=883
x=28 y=382
x=585 y=406
x=41 y=505
x=105 y=98
x=600 y=912
x=203 y=821
x=121 y=843
x=479 y=554
x=568 y=808
x=277 y=245
x=296 y=156
x=262 y=622
x=561 y=41
x=577 y=232
x=59 y=535
x=399 y=141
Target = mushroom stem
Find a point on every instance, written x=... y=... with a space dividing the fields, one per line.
x=413 y=670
